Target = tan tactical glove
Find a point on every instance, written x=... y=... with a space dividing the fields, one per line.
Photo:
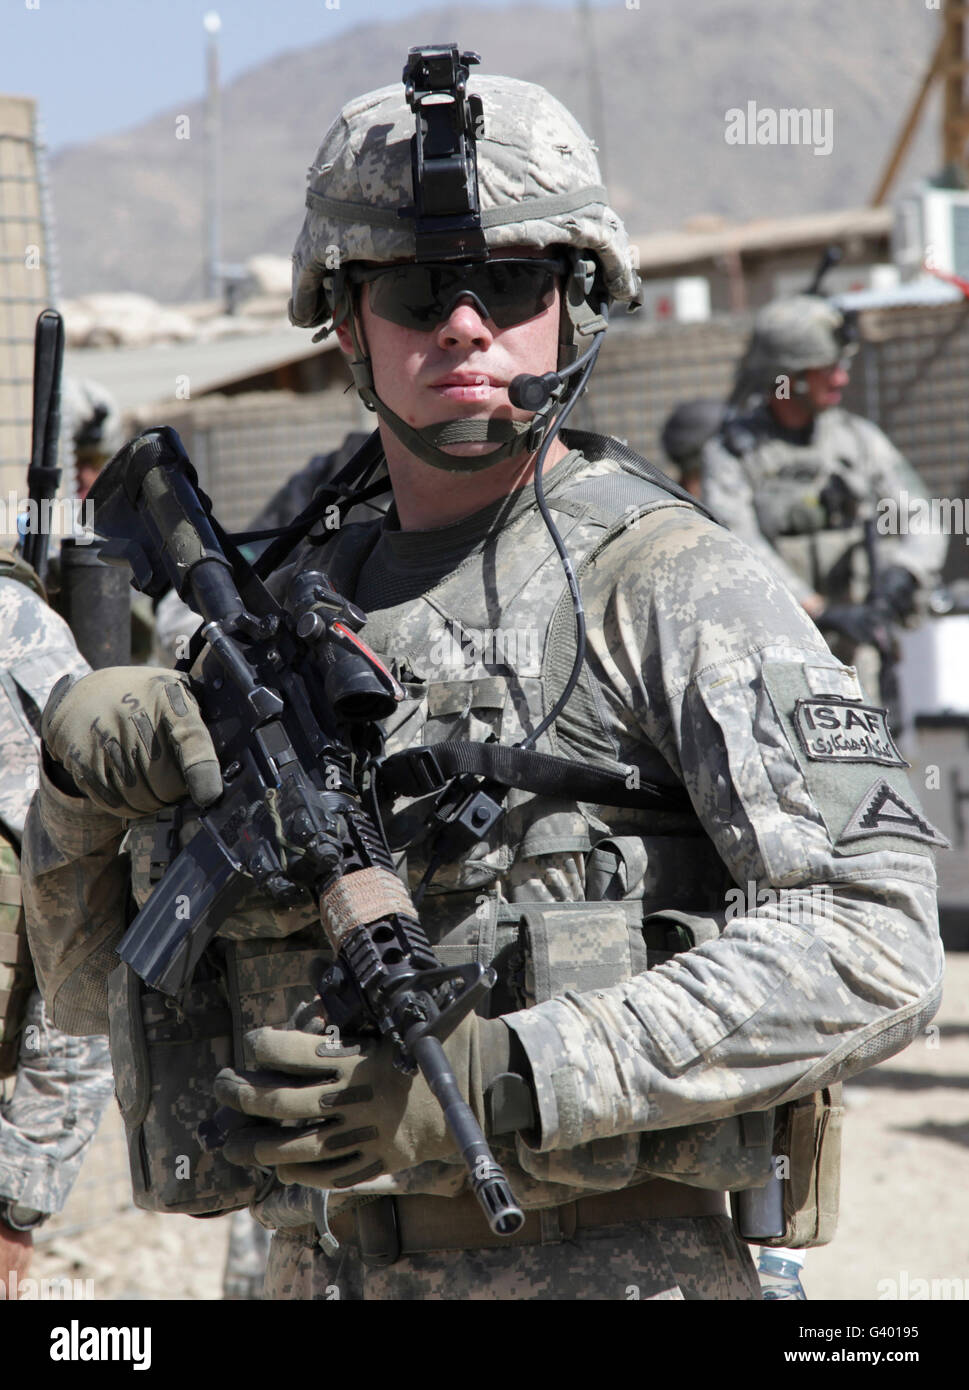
x=132 y=738
x=376 y=1119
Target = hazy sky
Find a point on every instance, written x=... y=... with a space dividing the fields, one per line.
x=97 y=66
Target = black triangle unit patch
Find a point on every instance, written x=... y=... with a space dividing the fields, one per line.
x=884 y=811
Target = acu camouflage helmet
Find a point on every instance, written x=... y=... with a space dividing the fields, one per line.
x=538 y=179
x=539 y=187
x=792 y=336
x=90 y=420
x=689 y=427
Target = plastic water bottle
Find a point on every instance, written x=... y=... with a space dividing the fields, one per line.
x=779 y=1271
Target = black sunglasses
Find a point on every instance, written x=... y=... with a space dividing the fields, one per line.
x=421 y=296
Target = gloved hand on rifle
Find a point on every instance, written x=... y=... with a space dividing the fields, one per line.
x=131 y=738
x=354 y=1114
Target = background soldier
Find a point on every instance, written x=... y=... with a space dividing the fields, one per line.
x=58 y=1085
x=641 y=1035
x=803 y=481
x=91 y=421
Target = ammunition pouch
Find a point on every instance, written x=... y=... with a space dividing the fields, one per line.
x=593 y=945
x=166 y=1055
x=808 y=1137
x=165 y=1058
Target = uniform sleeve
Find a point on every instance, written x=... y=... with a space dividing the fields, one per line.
x=727 y=492
x=75 y=891
x=63 y=1086
x=73 y=882
x=907 y=532
x=834 y=961
x=36 y=649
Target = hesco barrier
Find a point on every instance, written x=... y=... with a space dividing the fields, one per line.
x=909 y=377
x=245 y=447
x=645 y=370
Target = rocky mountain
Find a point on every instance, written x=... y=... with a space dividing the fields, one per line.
x=682 y=95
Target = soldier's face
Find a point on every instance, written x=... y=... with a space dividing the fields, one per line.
x=461 y=368
x=86 y=474
x=825 y=385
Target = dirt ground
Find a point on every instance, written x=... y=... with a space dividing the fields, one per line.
x=904 y=1203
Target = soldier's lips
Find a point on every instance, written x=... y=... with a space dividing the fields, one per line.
x=467 y=386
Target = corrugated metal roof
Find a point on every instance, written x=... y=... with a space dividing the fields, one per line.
x=766 y=234
x=146 y=376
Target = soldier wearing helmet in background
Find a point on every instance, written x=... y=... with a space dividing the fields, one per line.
x=686 y=430
x=798 y=478
x=53 y=1087
x=91 y=422
x=57 y=1086
x=627 y=1063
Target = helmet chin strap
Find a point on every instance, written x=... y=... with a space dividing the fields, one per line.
x=513 y=437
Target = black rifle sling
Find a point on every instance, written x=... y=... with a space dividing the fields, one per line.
x=417 y=771
x=363 y=462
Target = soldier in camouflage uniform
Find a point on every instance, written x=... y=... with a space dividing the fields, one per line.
x=91 y=421
x=797 y=477
x=639 y=1028
x=58 y=1085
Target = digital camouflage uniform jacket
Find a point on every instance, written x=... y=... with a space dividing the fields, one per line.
x=701 y=673
x=62 y=1083
x=765 y=486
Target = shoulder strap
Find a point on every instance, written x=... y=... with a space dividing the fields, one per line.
x=600 y=446
x=356 y=471
x=417 y=771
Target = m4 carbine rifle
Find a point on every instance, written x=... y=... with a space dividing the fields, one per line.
x=290 y=695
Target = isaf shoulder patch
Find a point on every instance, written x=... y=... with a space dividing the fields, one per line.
x=840 y=742
x=840 y=731
x=883 y=810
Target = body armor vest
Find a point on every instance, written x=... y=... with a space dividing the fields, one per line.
x=560 y=896
x=811 y=499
